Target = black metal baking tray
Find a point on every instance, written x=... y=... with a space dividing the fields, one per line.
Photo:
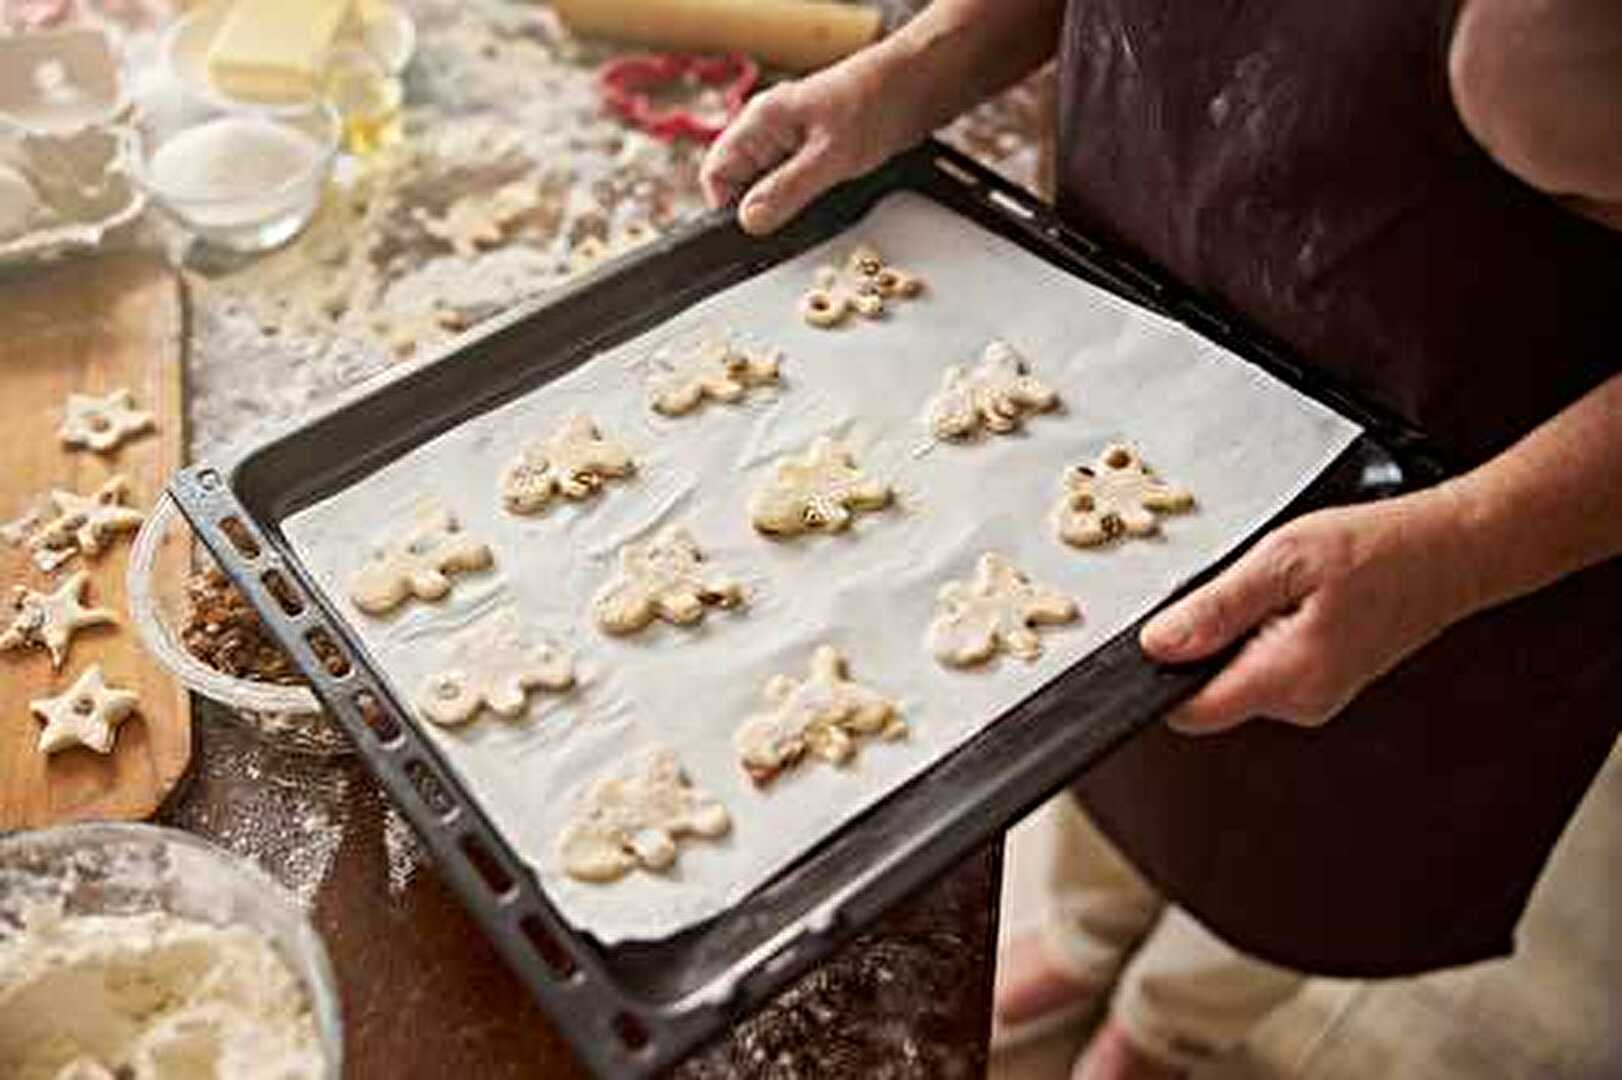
x=633 y=1009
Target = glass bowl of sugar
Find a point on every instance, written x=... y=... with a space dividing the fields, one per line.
x=242 y=181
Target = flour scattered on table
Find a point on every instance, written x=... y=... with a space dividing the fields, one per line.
x=997 y=394
x=862 y=285
x=1118 y=495
x=49 y=620
x=818 y=492
x=88 y=714
x=102 y=424
x=575 y=461
x=999 y=609
x=634 y=818
x=418 y=564
x=151 y=997
x=820 y=715
x=665 y=578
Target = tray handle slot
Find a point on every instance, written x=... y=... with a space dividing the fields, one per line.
x=430 y=788
x=282 y=591
x=241 y=537
x=487 y=866
x=383 y=726
x=552 y=952
x=332 y=658
x=632 y=1032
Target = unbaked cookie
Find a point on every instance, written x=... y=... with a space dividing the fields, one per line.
x=82 y=524
x=495 y=668
x=1116 y=496
x=821 y=715
x=87 y=714
x=997 y=394
x=999 y=609
x=715 y=367
x=49 y=620
x=575 y=461
x=634 y=817
x=665 y=578
x=862 y=285
x=416 y=562
x=820 y=491
x=102 y=424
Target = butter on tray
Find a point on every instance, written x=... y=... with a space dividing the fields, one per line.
x=275 y=50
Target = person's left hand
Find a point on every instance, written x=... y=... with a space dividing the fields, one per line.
x=1335 y=599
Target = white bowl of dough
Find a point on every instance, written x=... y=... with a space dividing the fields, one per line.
x=137 y=952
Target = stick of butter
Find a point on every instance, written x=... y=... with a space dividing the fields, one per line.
x=274 y=50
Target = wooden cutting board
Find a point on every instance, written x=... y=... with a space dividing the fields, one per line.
x=94 y=326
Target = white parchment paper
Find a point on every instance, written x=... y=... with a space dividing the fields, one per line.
x=1241 y=441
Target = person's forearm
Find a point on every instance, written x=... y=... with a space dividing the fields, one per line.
x=1547 y=507
x=957 y=53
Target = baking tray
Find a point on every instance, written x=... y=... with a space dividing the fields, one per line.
x=635 y=1008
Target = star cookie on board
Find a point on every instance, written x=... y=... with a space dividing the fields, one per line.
x=417 y=564
x=82 y=524
x=634 y=817
x=862 y=285
x=714 y=368
x=819 y=491
x=575 y=461
x=102 y=423
x=1116 y=496
x=496 y=671
x=665 y=578
x=999 y=609
x=819 y=715
x=996 y=394
x=88 y=714
x=49 y=620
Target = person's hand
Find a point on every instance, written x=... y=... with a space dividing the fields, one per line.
x=798 y=139
x=1330 y=602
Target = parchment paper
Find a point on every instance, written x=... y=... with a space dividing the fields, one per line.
x=1241 y=441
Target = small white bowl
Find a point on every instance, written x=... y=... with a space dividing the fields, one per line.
x=120 y=869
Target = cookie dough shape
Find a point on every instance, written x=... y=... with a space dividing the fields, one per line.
x=634 y=818
x=999 y=609
x=88 y=714
x=819 y=492
x=820 y=715
x=575 y=461
x=82 y=524
x=862 y=285
x=592 y=251
x=714 y=368
x=102 y=424
x=665 y=578
x=1116 y=496
x=49 y=620
x=997 y=394
x=417 y=564
x=498 y=678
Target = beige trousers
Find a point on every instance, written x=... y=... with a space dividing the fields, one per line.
x=1184 y=995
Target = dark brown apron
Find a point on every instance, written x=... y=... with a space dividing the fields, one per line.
x=1304 y=162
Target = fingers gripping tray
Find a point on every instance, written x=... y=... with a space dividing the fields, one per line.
x=640 y=970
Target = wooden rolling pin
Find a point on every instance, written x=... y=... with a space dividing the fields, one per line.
x=799 y=35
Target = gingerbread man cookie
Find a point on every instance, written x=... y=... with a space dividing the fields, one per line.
x=819 y=715
x=714 y=368
x=575 y=461
x=88 y=714
x=495 y=669
x=478 y=221
x=592 y=251
x=49 y=620
x=665 y=578
x=999 y=609
x=1118 y=495
x=417 y=564
x=863 y=285
x=996 y=394
x=820 y=491
x=83 y=524
x=634 y=818
x=102 y=423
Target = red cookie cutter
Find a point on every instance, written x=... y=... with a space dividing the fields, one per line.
x=626 y=85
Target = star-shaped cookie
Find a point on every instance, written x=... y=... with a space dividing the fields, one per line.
x=714 y=368
x=633 y=817
x=999 y=609
x=862 y=285
x=87 y=714
x=49 y=620
x=996 y=394
x=1116 y=496
x=820 y=491
x=575 y=461
x=102 y=423
x=820 y=715
x=83 y=523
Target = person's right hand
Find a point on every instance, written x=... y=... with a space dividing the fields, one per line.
x=795 y=141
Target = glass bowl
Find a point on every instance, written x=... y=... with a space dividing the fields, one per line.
x=138 y=869
x=290 y=717
x=241 y=181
